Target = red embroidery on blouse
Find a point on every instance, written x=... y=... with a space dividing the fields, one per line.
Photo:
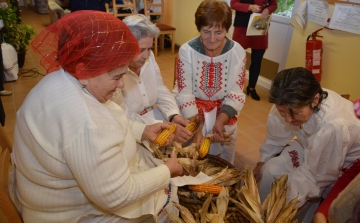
x=343 y=170
x=187 y=104
x=241 y=80
x=210 y=105
x=180 y=74
x=294 y=158
x=143 y=112
x=211 y=78
x=236 y=97
x=166 y=191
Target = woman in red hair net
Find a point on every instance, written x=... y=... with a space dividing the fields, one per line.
x=75 y=154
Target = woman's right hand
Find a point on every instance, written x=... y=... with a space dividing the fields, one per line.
x=254 y=8
x=175 y=168
x=256 y=171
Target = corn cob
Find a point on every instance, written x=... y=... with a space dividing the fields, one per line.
x=204 y=147
x=208 y=188
x=164 y=135
x=192 y=127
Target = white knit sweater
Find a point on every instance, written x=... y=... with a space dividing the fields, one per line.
x=76 y=157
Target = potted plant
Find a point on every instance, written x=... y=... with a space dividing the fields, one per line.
x=15 y=32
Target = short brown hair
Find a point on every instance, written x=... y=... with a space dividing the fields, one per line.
x=213 y=13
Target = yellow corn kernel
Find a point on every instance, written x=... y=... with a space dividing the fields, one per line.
x=204 y=147
x=192 y=127
x=164 y=135
x=208 y=188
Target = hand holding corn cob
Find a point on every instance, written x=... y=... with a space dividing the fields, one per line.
x=152 y=132
x=165 y=135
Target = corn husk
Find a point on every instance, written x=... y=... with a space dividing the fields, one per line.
x=273 y=209
x=226 y=177
x=185 y=213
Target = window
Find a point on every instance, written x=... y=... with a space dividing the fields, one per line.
x=284 y=8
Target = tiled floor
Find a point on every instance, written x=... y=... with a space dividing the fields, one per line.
x=251 y=124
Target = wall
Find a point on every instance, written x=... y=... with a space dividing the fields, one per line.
x=183 y=18
x=340 y=62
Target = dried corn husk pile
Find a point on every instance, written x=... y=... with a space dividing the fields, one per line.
x=210 y=212
x=273 y=209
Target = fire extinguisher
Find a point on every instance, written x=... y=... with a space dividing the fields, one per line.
x=314 y=54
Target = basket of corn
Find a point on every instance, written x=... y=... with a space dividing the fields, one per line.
x=193 y=196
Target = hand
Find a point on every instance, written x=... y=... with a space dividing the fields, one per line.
x=178 y=119
x=265 y=14
x=319 y=218
x=218 y=131
x=219 y=128
x=175 y=168
x=254 y=8
x=256 y=171
x=152 y=131
x=182 y=135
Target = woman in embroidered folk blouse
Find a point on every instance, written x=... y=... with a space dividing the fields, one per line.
x=144 y=86
x=327 y=139
x=210 y=74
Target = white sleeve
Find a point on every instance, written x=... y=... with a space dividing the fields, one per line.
x=279 y=135
x=97 y=161
x=165 y=100
x=185 y=98
x=236 y=97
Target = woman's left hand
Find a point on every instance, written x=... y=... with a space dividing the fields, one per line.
x=265 y=14
x=152 y=131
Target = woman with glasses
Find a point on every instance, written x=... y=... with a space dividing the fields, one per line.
x=210 y=75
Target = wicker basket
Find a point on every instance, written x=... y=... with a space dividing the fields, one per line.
x=194 y=205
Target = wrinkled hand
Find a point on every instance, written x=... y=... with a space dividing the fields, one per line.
x=152 y=131
x=319 y=218
x=182 y=135
x=254 y=8
x=256 y=171
x=175 y=168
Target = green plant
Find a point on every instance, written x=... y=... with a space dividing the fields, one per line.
x=15 y=32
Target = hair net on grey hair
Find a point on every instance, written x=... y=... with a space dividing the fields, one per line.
x=141 y=26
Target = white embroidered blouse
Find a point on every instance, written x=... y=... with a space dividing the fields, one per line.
x=209 y=78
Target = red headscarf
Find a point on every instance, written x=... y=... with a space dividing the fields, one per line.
x=97 y=39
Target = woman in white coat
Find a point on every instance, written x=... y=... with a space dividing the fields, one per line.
x=327 y=139
x=145 y=98
x=75 y=153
